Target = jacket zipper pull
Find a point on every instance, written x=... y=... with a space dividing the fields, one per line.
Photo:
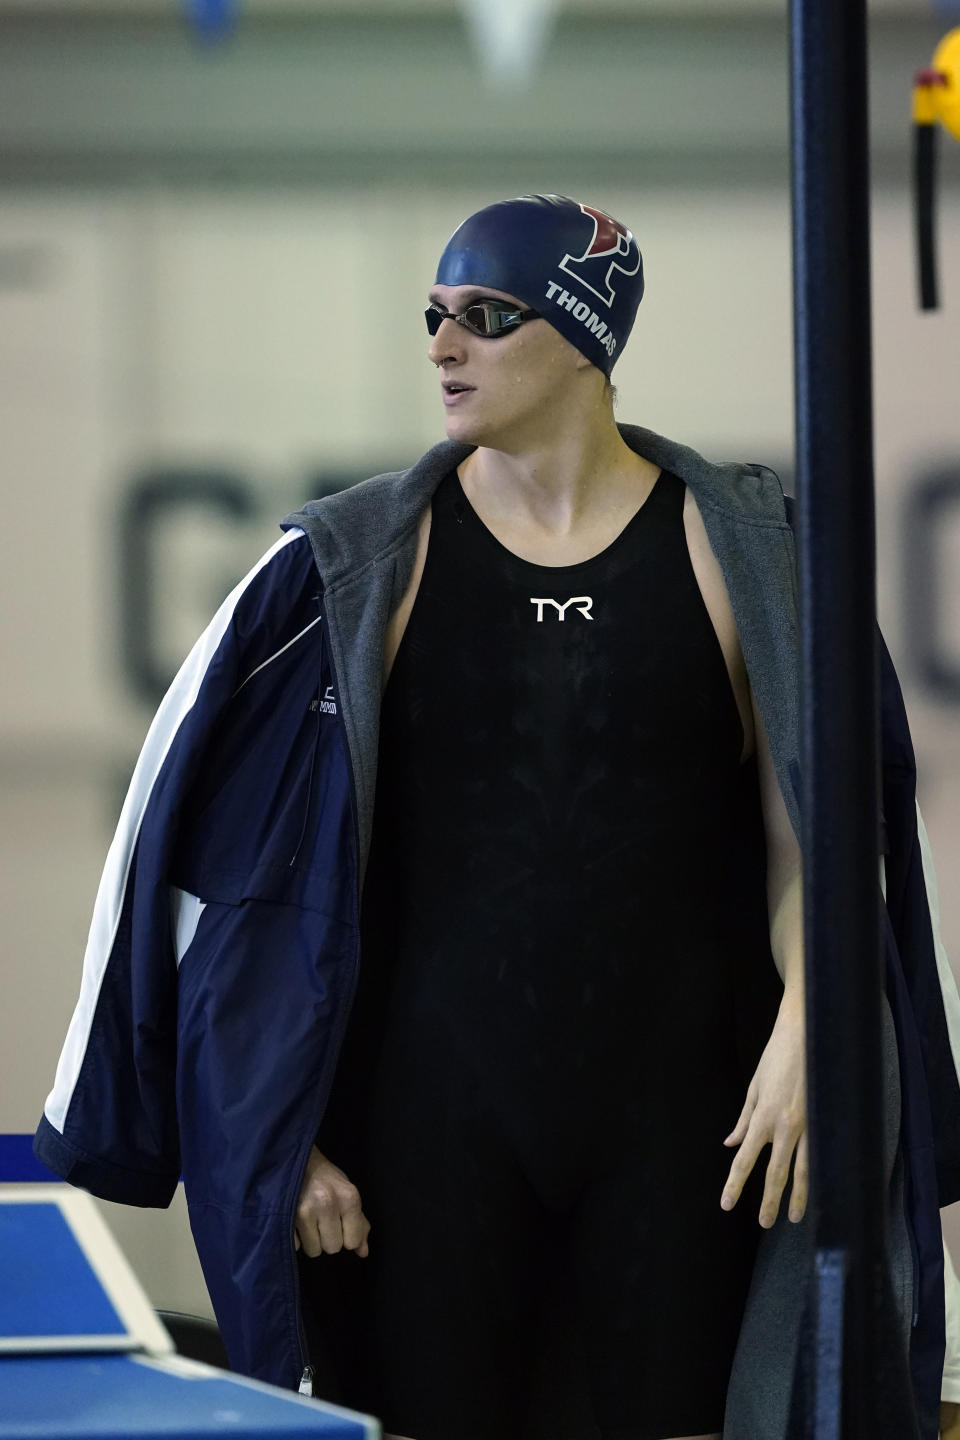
x=306 y=1381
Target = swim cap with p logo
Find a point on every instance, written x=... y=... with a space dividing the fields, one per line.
x=575 y=264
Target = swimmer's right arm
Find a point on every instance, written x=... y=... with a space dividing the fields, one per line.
x=329 y=1214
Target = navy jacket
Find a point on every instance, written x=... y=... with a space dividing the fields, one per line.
x=223 y=950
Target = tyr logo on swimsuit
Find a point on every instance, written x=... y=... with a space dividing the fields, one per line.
x=582 y=603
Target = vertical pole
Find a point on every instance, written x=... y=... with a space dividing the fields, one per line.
x=854 y=1342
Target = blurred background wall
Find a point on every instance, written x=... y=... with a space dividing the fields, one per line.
x=214 y=252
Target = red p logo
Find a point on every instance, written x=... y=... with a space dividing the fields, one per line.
x=594 y=268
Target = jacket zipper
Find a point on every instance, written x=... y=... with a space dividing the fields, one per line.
x=307 y=1369
x=315 y=707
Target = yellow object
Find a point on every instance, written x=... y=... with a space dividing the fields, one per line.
x=936 y=92
x=946 y=61
x=926 y=96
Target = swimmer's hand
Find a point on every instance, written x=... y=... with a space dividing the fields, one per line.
x=329 y=1215
x=775 y=1114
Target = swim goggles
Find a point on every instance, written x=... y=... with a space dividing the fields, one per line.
x=485 y=318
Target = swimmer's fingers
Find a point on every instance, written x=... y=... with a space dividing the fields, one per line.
x=801 y=1180
x=738 y=1133
x=329 y=1216
x=743 y=1163
x=356 y=1227
x=782 y=1139
x=778 y=1171
x=785 y=1133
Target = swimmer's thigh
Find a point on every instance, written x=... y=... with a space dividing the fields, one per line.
x=454 y=1272
x=662 y=1275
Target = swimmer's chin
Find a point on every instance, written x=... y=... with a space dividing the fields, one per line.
x=464 y=434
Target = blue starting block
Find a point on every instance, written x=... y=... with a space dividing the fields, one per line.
x=84 y=1357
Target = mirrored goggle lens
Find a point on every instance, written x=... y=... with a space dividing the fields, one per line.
x=483 y=320
x=435 y=318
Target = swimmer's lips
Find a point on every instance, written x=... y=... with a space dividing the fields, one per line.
x=454 y=392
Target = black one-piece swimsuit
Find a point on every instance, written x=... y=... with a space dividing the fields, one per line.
x=563 y=912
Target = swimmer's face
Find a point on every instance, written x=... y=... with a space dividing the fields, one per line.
x=503 y=391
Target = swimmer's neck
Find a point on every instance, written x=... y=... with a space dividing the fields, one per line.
x=558 y=481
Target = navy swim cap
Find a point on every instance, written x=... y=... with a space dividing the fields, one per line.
x=581 y=269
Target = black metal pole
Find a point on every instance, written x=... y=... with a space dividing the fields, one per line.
x=924 y=199
x=857 y=1371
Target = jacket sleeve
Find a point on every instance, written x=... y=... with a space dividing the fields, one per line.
x=109 y=1123
x=914 y=911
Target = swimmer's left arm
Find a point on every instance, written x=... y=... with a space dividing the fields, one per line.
x=784 y=871
x=775 y=1110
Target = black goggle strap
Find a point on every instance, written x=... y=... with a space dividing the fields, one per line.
x=485 y=320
